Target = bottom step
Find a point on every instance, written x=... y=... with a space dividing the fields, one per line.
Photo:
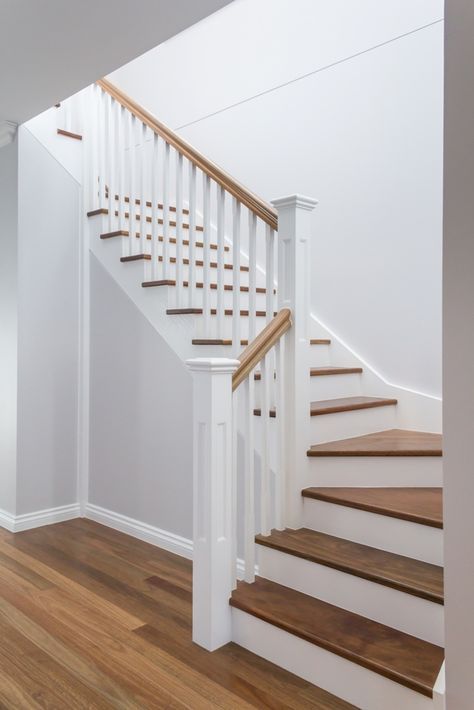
x=390 y=654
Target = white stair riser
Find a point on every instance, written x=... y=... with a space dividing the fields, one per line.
x=343 y=425
x=400 y=610
x=334 y=386
x=347 y=680
x=376 y=471
x=421 y=542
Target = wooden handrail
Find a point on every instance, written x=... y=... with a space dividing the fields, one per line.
x=255 y=204
x=258 y=348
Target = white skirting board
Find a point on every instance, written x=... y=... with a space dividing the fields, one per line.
x=27 y=521
x=143 y=531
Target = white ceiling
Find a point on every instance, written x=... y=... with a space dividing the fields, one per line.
x=49 y=49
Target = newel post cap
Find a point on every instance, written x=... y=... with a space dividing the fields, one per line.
x=7 y=132
x=222 y=365
x=300 y=201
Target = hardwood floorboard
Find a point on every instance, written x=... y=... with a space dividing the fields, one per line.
x=91 y=618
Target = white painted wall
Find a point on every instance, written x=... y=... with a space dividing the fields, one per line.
x=8 y=323
x=48 y=330
x=140 y=414
x=341 y=101
x=458 y=312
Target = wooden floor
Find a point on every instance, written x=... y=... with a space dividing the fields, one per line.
x=91 y=618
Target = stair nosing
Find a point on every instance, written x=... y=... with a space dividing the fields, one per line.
x=371 y=508
x=386 y=581
x=370 y=403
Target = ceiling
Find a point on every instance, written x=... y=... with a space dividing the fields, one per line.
x=49 y=49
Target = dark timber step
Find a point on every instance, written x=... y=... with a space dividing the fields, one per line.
x=213 y=312
x=344 y=404
x=198 y=262
x=215 y=341
x=417 y=505
x=393 y=442
x=391 y=653
x=320 y=341
x=172 y=223
x=403 y=573
x=322 y=371
x=348 y=404
x=198 y=284
x=161 y=239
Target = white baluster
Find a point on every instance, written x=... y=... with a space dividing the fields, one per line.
x=212 y=500
x=119 y=151
x=249 y=479
x=236 y=276
x=110 y=143
x=93 y=150
x=206 y=304
x=101 y=137
x=265 y=522
x=131 y=171
x=220 y=262
x=142 y=195
x=192 y=237
x=154 y=209
x=179 y=229
x=280 y=472
x=252 y=275
x=270 y=271
x=166 y=212
x=294 y=247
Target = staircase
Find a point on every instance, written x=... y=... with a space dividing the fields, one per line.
x=317 y=494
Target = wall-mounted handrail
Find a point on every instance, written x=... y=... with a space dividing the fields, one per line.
x=261 y=345
x=254 y=203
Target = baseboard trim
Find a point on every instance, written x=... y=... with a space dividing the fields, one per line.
x=143 y=531
x=49 y=516
x=7 y=520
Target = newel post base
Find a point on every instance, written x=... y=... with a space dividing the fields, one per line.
x=294 y=272
x=212 y=500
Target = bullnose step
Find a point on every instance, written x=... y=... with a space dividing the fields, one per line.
x=391 y=653
x=405 y=574
x=416 y=505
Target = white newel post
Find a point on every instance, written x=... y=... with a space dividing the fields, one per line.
x=213 y=487
x=294 y=271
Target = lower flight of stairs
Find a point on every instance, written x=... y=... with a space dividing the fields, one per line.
x=353 y=601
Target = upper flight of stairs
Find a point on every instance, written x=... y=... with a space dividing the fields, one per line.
x=353 y=599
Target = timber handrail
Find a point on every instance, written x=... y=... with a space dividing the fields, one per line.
x=258 y=348
x=254 y=203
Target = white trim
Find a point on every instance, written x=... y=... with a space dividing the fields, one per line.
x=27 y=521
x=143 y=531
x=370 y=367
x=7 y=520
x=83 y=400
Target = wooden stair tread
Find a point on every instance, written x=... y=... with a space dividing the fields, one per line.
x=417 y=505
x=213 y=311
x=320 y=371
x=171 y=222
x=320 y=341
x=393 y=442
x=215 y=341
x=348 y=404
x=161 y=239
x=172 y=260
x=393 y=654
x=343 y=404
x=414 y=577
x=198 y=284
